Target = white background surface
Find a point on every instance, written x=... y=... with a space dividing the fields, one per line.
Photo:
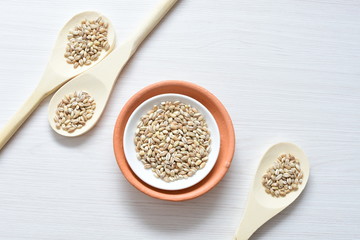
x=285 y=70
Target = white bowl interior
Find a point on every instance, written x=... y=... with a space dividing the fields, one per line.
x=146 y=174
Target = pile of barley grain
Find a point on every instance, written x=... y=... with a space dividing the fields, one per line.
x=283 y=177
x=86 y=41
x=74 y=110
x=173 y=140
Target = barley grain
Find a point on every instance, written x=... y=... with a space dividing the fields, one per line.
x=283 y=177
x=86 y=42
x=72 y=115
x=176 y=138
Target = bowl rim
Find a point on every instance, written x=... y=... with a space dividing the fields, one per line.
x=181 y=184
x=217 y=109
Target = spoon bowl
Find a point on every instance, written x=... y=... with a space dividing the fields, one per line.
x=57 y=62
x=87 y=83
x=261 y=206
x=268 y=159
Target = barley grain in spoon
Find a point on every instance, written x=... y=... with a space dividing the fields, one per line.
x=56 y=74
x=100 y=80
x=261 y=206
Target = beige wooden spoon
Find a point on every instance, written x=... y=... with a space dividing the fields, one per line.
x=57 y=72
x=262 y=206
x=100 y=80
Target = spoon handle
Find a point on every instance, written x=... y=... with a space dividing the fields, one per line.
x=21 y=115
x=149 y=24
x=255 y=216
x=106 y=71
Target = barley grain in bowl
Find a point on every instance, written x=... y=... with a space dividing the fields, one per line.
x=171 y=141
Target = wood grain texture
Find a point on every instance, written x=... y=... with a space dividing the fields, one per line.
x=287 y=70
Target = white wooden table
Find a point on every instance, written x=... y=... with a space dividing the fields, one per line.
x=287 y=70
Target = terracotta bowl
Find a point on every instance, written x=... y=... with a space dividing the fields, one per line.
x=227 y=139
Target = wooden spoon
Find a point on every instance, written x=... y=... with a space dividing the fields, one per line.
x=100 y=80
x=57 y=72
x=262 y=206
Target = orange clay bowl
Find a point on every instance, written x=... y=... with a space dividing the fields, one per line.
x=227 y=139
